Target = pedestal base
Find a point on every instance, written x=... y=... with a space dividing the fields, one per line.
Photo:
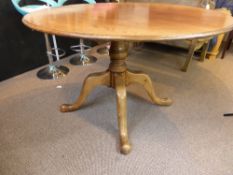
x=117 y=77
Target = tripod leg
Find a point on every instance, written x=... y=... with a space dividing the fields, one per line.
x=144 y=79
x=93 y=80
x=121 y=94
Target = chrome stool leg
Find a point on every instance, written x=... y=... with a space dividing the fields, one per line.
x=104 y=50
x=83 y=58
x=56 y=48
x=52 y=71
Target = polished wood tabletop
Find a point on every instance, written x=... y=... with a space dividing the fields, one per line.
x=121 y=23
x=130 y=21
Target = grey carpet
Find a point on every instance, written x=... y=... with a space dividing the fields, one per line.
x=191 y=137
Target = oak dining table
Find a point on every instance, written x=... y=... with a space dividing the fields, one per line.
x=121 y=23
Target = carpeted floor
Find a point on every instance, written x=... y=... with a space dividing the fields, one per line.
x=191 y=137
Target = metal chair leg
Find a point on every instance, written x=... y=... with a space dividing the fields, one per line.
x=52 y=71
x=105 y=49
x=83 y=58
x=55 y=47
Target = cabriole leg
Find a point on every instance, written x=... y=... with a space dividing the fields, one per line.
x=93 y=80
x=145 y=81
x=121 y=95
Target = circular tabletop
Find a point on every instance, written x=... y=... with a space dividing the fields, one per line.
x=130 y=21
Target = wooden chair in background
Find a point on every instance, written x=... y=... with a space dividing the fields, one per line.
x=227 y=44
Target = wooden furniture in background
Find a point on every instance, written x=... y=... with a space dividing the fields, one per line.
x=191 y=46
x=227 y=44
x=196 y=44
x=121 y=23
x=213 y=53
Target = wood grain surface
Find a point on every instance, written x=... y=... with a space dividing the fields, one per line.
x=130 y=21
